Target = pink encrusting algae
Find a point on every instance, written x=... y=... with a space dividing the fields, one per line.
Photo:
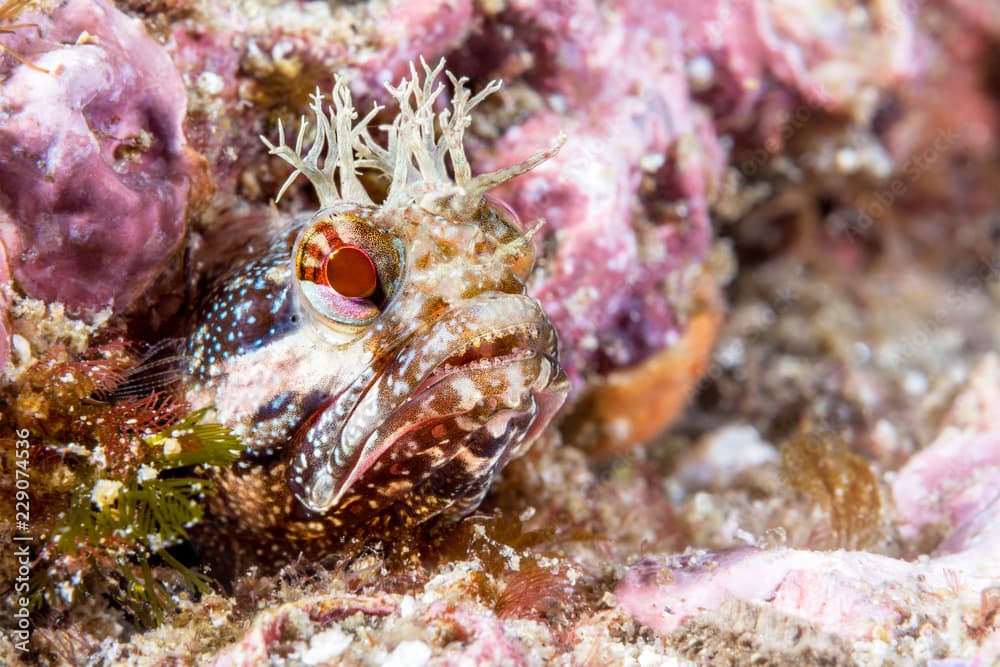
x=96 y=177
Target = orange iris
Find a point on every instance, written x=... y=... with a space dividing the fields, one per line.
x=351 y=272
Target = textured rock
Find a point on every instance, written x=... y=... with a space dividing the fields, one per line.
x=95 y=174
x=635 y=136
x=953 y=485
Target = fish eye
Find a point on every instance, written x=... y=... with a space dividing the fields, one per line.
x=350 y=272
x=347 y=269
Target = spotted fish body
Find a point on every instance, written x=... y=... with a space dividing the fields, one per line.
x=381 y=360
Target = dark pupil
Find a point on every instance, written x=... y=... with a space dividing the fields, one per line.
x=351 y=272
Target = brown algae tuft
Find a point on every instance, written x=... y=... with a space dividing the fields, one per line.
x=819 y=464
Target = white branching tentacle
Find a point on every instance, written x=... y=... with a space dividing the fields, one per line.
x=348 y=136
x=289 y=155
x=483 y=183
x=338 y=134
x=419 y=146
x=453 y=126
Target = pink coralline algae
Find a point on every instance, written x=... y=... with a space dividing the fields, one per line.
x=954 y=484
x=956 y=481
x=979 y=15
x=631 y=80
x=95 y=173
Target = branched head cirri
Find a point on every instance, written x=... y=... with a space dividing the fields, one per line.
x=381 y=361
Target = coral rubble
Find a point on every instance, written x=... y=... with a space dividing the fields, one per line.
x=951 y=486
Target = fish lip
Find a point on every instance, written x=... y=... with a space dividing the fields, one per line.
x=548 y=399
x=539 y=337
x=495 y=347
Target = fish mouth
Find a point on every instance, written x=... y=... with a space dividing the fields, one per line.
x=489 y=350
x=455 y=403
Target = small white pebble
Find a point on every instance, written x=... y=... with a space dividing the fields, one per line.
x=411 y=653
x=703 y=503
x=648 y=657
x=651 y=162
x=915 y=383
x=21 y=348
x=105 y=492
x=700 y=73
x=325 y=646
x=407 y=606
x=514 y=563
x=210 y=83
x=847 y=161
x=171 y=446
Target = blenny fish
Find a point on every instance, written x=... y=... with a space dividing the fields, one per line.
x=381 y=360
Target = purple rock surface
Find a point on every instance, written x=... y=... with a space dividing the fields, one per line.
x=95 y=173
